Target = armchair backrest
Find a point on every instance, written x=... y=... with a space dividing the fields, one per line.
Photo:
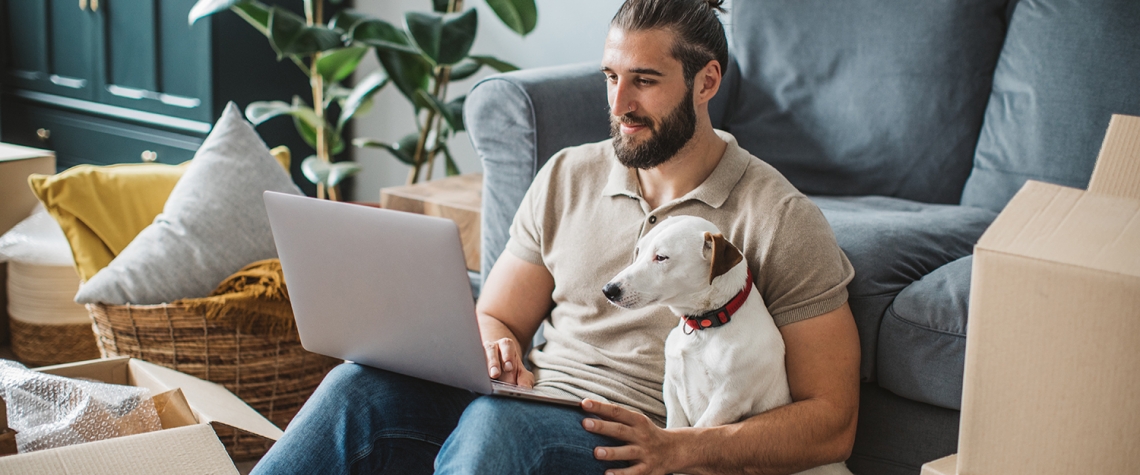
x=866 y=97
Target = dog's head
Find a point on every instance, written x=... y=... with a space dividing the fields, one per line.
x=674 y=263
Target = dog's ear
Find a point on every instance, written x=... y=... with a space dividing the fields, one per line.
x=724 y=255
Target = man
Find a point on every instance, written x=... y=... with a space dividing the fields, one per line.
x=575 y=229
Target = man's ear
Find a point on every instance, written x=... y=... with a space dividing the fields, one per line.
x=723 y=254
x=707 y=81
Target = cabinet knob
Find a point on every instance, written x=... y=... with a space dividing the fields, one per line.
x=82 y=4
x=94 y=5
x=43 y=134
x=149 y=156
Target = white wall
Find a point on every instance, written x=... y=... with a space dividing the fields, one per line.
x=568 y=31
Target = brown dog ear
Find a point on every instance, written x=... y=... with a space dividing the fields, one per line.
x=725 y=256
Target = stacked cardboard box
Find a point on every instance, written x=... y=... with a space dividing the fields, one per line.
x=1052 y=372
x=17 y=202
x=458 y=198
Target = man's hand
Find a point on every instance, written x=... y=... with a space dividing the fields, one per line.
x=504 y=362
x=650 y=448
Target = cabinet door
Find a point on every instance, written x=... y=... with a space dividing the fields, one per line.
x=51 y=46
x=154 y=60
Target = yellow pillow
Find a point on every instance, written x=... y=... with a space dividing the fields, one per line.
x=102 y=208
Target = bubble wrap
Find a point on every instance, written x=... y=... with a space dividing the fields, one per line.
x=50 y=411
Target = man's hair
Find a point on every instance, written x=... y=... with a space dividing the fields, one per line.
x=699 y=34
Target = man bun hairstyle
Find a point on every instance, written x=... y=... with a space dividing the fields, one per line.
x=700 y=35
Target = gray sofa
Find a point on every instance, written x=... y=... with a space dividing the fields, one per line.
x=910 y=123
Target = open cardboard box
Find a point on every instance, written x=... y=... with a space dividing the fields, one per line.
x=186 y=445
x=1053 y=344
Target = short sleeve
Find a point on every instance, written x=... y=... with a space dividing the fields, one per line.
x=803 y=273
x=526 y=233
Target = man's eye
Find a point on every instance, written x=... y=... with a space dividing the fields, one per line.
x=660 y=258
x=645 y=82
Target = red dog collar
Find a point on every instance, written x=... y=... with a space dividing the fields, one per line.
x=723 y=315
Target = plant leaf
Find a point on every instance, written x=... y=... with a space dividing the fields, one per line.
x=336 y=92
x=381 y=34
x=315 y=169
x=498 y=64
x=519 y=15
x=340 y=63
x=361 y=95
x=306 y=121
x=289 y=35
x=205 y=8
x=261 y=111
x=254 y=13
x=465 y=70
x=427 y=100
x=402 y=150
x=424 y=29
x=345 y=20
x=452 y=168
x=457 y=37
x=455 y=109
x=443 y=39
x=409 y=72
x=339 y=171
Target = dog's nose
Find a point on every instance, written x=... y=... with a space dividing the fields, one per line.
x=612 y=291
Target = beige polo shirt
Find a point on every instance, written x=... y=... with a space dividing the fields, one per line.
x=582 y=218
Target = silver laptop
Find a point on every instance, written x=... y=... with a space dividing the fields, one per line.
x=383 y=288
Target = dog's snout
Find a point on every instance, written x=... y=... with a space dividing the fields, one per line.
x=612 y=291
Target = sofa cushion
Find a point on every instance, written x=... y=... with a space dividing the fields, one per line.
x=922 y=341
x=892 y=243
x=866 y=97
x=1066 y=67
x=212 y=225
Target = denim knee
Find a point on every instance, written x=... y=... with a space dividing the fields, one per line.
x=502 y=435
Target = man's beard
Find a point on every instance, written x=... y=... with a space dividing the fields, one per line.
x=668 y=137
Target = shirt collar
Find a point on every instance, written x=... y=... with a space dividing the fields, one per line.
x=713 y=191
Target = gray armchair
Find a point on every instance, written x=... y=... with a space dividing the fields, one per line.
x=910 y=124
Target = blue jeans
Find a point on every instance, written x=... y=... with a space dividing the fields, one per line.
x=367 y=420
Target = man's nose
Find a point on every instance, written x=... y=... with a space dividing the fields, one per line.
x=623 y=98
x=612 y=291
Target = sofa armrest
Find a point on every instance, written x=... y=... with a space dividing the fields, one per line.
x=516 y=122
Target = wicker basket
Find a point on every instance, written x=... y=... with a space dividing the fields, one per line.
x=47 y=326
x=274 y=375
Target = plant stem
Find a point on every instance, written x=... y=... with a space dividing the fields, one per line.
x=443 y=73
x=314 y=15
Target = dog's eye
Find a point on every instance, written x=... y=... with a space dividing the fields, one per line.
x=660 y=258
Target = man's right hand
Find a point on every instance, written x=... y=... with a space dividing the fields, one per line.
x=504 y=362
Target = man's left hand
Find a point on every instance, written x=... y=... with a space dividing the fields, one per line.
x=650 y=449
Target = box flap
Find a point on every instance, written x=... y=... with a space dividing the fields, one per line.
x=1069 y=226
x=1117 y=171
x=947 y=465
x=211 y=402
x=9 y=152
x=114 y=370
x=190 y=450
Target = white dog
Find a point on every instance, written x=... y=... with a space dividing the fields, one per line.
x=725 y=359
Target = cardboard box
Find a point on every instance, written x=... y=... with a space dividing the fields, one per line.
x=947 y=465
x=190 y=448
x=17 y=202
x=16 y=197
x=458 y=198
x=1052 y=372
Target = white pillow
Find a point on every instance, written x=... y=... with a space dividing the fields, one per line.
x=213 y=224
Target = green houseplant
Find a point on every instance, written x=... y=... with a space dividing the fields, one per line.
x=420 y=58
